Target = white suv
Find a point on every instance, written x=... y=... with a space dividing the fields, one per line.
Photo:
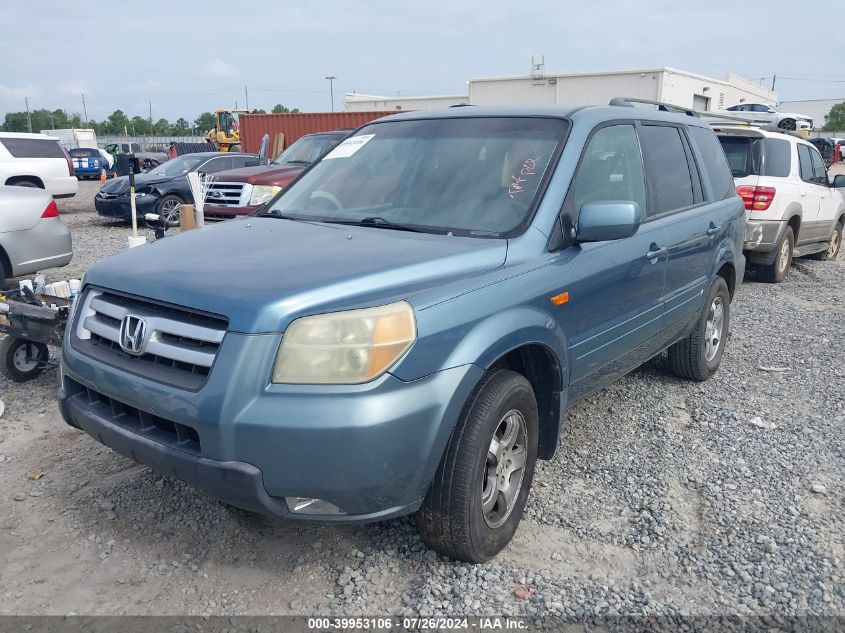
x=793 y=209
x=36 y=160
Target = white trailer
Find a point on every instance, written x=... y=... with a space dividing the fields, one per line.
x=72 y=138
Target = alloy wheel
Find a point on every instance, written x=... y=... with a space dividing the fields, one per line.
x=783 y=256
x=504 y=468
x=713 y=329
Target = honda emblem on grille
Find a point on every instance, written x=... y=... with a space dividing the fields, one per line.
x=133 y=331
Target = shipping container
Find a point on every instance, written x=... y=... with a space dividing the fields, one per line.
x=293 y=125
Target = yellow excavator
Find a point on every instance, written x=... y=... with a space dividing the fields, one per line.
x=226 y=133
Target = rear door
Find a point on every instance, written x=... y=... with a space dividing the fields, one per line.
x=829 y=201
x=811 y=195
x=676 y=197
x=616 y=309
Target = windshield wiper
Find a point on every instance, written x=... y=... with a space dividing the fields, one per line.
x=377 y=222
x=297 y=162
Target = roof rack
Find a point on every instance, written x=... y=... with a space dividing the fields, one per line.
x=628 y=102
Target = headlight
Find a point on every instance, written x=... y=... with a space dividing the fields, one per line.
x=345 y=347
x=262 y=194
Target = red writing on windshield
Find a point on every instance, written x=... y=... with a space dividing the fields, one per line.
x=518 y=180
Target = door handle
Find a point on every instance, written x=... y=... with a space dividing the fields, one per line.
x=654 y=252
x=713 y=229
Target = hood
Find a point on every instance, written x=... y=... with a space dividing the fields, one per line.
x=261 y=273
x=262 y=174
x=142 y=181
x=795 y=115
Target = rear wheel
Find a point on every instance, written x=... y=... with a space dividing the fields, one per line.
x=834 y=245
x=480 y=489
x=776 y=271
x=698 y=356
x=22 y=360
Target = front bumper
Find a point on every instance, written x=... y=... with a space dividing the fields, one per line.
x=369 y=449
x=121 y=208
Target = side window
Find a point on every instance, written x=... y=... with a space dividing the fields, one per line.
x=777 y=157
x=216 y=164
x=715 y=164
x=666 y=168
x=33 y=148
x=611 y=168
x=819 y=170
x=806 y=163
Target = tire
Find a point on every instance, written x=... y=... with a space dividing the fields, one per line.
x=835 y=245
x=787 y=124
x=14 y=358
x=235 y=147
x=3 y=272
x=457 y=517
x=777 y=271
x=168 y=207
x=695 y=357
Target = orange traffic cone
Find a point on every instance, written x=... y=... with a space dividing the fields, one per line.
x=103 y=176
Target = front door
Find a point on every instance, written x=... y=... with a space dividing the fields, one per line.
x=811 y=196
x=615 y=305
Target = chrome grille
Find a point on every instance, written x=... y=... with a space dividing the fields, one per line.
x=175 y=346
x=227 y=194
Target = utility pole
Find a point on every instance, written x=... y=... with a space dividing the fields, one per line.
x=151 y=118
x=331 y=79
x=28 y=118
x=84 y=110
x=246 y=96
x=774 y=78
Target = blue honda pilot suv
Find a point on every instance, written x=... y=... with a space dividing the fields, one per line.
x=403 y=328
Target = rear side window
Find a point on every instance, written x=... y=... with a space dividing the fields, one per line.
x=715 y=165
x=806 y=163
x=777 y=158
x=611 y=168
x=667 y=169
x=32 y=148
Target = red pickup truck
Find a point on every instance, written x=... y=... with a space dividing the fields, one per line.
x=239 y=192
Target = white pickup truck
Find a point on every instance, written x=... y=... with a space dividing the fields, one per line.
x=794 y=209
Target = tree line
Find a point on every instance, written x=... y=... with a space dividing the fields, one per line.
x=118 y=122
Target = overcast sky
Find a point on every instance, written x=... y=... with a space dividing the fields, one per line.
x=188 y=57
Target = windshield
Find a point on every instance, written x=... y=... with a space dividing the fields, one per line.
x=467 y=176
x=306 y=150
x=178 y=166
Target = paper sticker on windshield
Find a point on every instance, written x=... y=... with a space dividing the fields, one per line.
x=349 y=146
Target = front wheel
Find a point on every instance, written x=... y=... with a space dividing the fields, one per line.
x=22 y=360
x=787 y=124
x=698 y=356
x=169 y=209
x=480 y=489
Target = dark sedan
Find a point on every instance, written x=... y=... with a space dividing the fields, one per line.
x=164 y=188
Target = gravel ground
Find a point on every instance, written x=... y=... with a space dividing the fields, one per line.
x=665 y=497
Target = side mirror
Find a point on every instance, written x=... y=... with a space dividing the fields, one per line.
x=839 y=181
x=600 y=221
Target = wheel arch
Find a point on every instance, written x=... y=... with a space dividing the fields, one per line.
x=11 y=180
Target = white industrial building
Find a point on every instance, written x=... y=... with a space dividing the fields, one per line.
x=354 y=102
x=816 y=109
x=670 y=85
